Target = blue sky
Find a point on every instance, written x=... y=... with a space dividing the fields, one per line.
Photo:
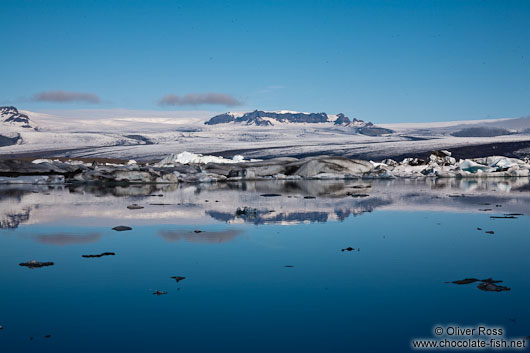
x=384 y=61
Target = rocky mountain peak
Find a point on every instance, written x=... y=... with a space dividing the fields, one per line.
x=11 y=115
x=342 y=119
x=264 y=118
x=9 y=109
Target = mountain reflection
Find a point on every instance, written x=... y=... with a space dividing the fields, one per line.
x=285 y=217
x=297 y=202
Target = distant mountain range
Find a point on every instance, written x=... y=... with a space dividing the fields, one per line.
x=263 y=118
x=125 y=134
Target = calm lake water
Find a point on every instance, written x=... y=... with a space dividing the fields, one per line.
x=409 y=239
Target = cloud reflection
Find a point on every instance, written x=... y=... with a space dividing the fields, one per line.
x=67 y=239
x=202 y=237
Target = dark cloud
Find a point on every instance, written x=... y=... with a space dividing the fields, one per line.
x=202 y=237
x=200 y=99
x=65 y=97
x=67 y=239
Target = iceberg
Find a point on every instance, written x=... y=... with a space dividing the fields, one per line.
x=193 y=158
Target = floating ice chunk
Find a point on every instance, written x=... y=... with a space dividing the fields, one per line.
x=329 y=168
x=501 y=162
x=73 y=162
x=39 y=161
x=516 y=172
x=192 y=158
x=238 y=158
x=473 y=167
x=57 y=161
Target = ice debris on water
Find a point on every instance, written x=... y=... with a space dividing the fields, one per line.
x=187 y=167
x=178 y=278
x=121 y=228
x=36 y=264
x=487 y=285
x=99 y=255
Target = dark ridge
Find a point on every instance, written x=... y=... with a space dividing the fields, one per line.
x=342 y=119
x=256 y=118
x=481 y=132
x=8 y=141
x=506 y=149
x=374 y=131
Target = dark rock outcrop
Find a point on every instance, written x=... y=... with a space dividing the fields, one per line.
x=220 y=119
x=11 y=115
x=257 y=118
x=342 y=119
x=9 y=140
x=259 y=122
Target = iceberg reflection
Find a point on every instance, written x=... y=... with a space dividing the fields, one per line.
x=298 y=201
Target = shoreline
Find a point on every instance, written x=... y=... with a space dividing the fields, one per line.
x=188 y=167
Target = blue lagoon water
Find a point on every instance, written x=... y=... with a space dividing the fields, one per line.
x=409 y=239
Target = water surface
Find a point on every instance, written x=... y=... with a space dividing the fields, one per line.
x=409 y=238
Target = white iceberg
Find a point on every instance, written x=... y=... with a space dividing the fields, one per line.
x=193 y=158
x=474 y=167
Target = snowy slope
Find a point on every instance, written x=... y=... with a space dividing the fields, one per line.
x=11 y=117
x=154 y=134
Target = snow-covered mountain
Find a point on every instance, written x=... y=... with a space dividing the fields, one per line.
x=12 y=122
x=263 y=118
x=10 y=115
x=150 y=135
